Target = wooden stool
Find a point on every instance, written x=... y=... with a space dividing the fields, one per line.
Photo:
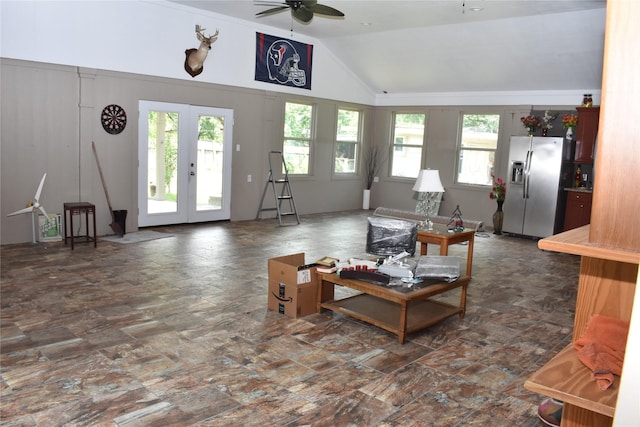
x=77 y=209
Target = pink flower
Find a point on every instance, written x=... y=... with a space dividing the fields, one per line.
x=498 y=190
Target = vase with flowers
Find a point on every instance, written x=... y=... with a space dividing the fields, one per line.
x=498 y=192
x=569 y=121
x=547 y=121
x=530 y=122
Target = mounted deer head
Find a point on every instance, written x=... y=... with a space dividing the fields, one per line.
x=194 y=61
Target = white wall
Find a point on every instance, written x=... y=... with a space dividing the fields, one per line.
x=125 y=36
x=141 y=38
x=150 y=38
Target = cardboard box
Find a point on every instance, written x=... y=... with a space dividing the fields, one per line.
x=292 y=292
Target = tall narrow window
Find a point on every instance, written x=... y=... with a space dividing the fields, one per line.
x=477 y=148
x=347 y=141
x=296 y=149
x=408 y=140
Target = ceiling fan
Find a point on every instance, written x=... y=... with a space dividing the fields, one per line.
x=301 y=10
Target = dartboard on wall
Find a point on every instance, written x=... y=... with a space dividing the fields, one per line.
x=113 y=119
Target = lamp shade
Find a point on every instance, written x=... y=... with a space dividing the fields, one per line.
x=428 y=182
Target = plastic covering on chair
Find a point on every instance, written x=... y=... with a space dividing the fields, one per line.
x=387 y=236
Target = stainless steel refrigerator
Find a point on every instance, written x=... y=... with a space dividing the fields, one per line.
x=539 y=169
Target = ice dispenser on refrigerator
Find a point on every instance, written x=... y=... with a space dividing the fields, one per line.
x=517 y=172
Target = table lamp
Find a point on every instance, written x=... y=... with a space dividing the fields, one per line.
x=428 y=182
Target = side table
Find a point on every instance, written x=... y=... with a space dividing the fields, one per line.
x=79 y=208
x=440 y=235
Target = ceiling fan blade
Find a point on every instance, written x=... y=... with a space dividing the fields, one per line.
x=303 y=14
x=40 y=187
x=272 y=10
x=21 y=211
x=321 y=9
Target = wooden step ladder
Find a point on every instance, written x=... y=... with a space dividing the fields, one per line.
x=280 y=178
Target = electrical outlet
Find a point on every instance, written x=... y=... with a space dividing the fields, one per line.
x=249 y=178
x=376 y=179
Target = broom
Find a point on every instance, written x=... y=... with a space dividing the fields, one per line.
x=114 y=224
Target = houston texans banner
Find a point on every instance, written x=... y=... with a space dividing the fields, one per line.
x=282 y=61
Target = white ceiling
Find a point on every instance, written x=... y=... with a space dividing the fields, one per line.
x=421 y=46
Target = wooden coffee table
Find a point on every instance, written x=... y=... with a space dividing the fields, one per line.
x=396 y=309
x=440 y=235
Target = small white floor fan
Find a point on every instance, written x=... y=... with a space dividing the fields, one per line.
x=33 y=206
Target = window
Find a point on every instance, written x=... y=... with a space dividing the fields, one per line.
x=408 y=139
x=296 y=149
x=347 y=141
x=477 y=148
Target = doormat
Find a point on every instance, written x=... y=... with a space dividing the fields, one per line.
x=136 y=237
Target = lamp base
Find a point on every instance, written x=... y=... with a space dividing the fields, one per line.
x=428 y=203
x=427 y=224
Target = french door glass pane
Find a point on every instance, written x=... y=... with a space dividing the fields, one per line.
x=162 y=162
x=210 y=166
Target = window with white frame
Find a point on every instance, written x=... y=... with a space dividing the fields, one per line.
x=298 y=133
x=408 y=140
x=347 y=141
x=477 y=148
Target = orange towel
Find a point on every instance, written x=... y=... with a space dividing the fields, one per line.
x=601 y=348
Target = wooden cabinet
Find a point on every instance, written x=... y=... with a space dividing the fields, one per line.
x=586 y=134
x=606 y=286
x=578 y=211
x=610 y=246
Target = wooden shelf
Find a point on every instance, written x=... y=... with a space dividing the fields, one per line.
x=576 y=242
x=606 y=286
x=566 y=378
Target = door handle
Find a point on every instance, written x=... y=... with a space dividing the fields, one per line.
x=527 y=171
x=192 y=173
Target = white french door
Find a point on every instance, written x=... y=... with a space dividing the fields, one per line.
x=184 y=170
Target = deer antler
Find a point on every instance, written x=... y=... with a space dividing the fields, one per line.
x=200 y=34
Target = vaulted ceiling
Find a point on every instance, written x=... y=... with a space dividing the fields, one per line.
x=421 y=46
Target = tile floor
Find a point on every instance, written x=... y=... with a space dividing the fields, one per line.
x=176 y=331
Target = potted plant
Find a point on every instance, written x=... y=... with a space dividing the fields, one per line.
x=373 y=159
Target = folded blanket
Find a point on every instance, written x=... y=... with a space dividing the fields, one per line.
x=601 y=348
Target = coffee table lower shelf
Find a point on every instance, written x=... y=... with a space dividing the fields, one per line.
x=387 y=315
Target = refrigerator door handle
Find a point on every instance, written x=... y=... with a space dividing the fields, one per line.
x=527 y=172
